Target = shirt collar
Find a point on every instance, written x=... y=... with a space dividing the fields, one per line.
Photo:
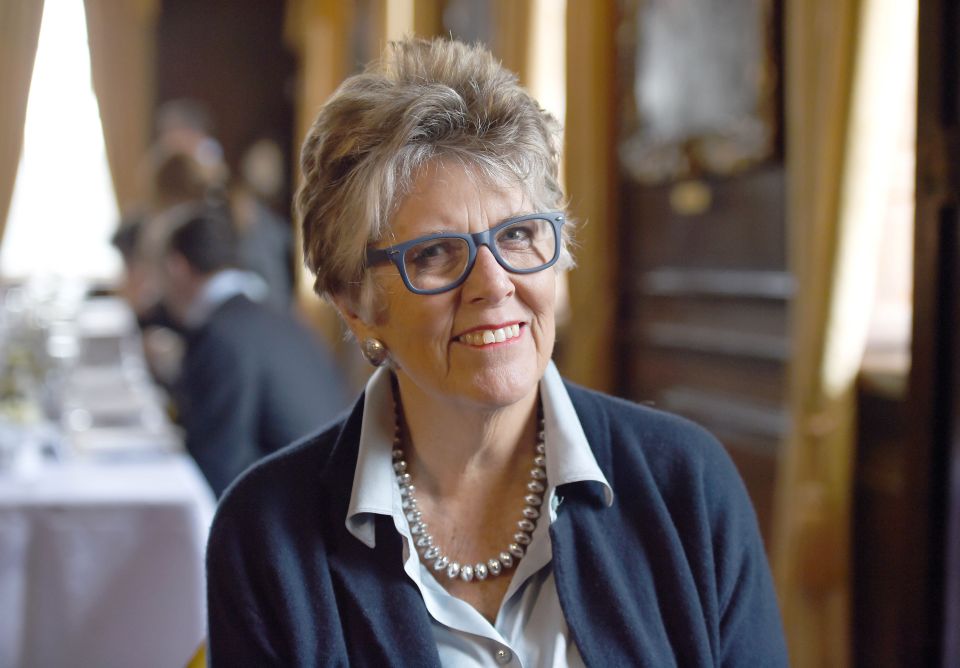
x=220 y=287
x=373 y=480
x=569 y=457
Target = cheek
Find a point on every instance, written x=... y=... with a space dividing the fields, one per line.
x=417 y=321
x=541 y=300
x=542 y=297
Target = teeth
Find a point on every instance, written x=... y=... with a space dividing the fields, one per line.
x=488 y=336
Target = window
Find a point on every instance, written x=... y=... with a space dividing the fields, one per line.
x=63 y=209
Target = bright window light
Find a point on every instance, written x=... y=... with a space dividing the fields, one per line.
x=64 y=208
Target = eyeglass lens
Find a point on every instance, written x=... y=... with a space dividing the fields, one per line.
x=523 y=246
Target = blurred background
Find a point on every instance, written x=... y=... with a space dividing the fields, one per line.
x=768 y=195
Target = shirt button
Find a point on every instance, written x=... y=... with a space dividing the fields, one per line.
x=503 y=656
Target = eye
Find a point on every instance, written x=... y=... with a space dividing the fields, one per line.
x=516 y=237
x=435 y=253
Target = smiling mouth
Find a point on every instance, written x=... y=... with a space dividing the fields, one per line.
x=486 y=337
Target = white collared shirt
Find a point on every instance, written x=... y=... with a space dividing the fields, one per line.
x=530 y=629
x=220 y=287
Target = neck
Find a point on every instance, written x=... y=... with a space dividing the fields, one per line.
x=460 y=517
x=455 y=446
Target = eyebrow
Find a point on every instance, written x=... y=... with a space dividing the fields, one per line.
x=499 y=221
x=392 y=240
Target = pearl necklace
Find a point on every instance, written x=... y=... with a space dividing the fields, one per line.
x=435 y=556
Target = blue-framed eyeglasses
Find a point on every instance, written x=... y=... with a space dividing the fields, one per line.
x=439 y=262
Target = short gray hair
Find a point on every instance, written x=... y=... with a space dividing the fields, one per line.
x=425 y=100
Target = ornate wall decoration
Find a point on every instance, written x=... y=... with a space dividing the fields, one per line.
x=698 y=87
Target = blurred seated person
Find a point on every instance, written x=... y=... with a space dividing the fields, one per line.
x=185 y=126
x=266 y=237
x=140 y=287
x=264 y=173
x=137 y=287
x=265 y=241
x=253 y=379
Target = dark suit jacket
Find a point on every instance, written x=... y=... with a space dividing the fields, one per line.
x=673 y=573
x=253 y=380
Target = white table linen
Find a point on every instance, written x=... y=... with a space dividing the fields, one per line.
x=101 y=563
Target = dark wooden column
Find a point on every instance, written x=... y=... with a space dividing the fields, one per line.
x=931 y=612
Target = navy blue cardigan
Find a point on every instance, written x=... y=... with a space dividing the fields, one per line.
x=674 y=573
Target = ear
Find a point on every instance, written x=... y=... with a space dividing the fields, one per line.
x=352 y=314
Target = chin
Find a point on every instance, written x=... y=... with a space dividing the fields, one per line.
x=503 y=387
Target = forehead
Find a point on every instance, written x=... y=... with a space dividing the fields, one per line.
x=449 y=196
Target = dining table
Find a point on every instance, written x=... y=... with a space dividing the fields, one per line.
x=103 y=515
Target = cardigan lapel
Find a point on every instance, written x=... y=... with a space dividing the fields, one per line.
x=643 y=610
x=383 y=615
x=607 y=625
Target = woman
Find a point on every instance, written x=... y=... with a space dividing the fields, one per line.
x=474 y=508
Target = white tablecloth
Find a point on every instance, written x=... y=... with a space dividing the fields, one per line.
x=101 y=564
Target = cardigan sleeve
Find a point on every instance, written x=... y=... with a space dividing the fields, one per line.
x=751 y=631
x=271 y=600
x=237 y=632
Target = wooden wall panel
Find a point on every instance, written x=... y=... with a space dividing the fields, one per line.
x=231 y=56
x=706 y=292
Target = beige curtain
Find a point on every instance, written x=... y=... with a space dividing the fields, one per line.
x=811 y=549
x=19 y=29
x=587 y=354
x=846 y=69
x=405 y=18
x=121 y=37
x=511 y=35
x=319 y=32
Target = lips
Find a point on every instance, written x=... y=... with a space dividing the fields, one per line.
x=486 y=337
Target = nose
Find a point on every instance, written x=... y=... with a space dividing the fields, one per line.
x=487 y=281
